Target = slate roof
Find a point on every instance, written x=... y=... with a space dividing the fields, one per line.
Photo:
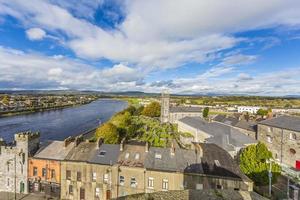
x=233 y=121
x=179 y=109
x=177 y=162
x=107 y=154
x=227 y=166
x=223 y=135
x=54 y=150
x=285 y=122
x=82 y=153
x=131 y=150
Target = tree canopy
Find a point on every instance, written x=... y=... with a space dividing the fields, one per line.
x=205 y=112
x=152 y=110
x=262 y=112
x=253 y=162
x=108 y=132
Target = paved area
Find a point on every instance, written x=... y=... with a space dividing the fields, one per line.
x=11 y=196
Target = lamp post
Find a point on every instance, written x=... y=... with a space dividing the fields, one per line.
x=270 y=177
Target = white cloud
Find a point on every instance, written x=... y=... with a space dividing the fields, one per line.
x=35 y=34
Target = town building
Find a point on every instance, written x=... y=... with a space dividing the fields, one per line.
x=89 y=172
x=172 y=114
x=282 y=137
x=248 y=109
x=226 y=137
x=14 y=162
x=246 y=127
x=44 y=167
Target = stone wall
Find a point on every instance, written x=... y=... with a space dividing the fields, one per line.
x=285 y=149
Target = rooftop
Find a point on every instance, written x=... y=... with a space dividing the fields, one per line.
x=54 y=150
x=185 y=109
x=107 y=154
x=83 y=152
x=223 y=135
x=133 y=154
x=285 y=122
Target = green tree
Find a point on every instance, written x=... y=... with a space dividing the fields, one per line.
x=152 y=110
x=108 y=132
x=253 y=162
x=262 y=112
x=205 y=112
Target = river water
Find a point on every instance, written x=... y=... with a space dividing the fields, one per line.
x=59 y=124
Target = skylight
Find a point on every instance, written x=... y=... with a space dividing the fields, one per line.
x=102 y=153
x=157 y=155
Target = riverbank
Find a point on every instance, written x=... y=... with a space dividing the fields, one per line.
x=40 y=109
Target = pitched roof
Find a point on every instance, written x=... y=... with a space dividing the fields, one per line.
x=107 y=154
x=82 y=153
x=223 y=135
x=233 y=121
x=133 y=154
x=54 y=150
x=162 y=159
x=216 y=161
x=285 y=122
x=185 y=109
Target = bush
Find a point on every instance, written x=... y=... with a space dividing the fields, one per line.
x=152 y=110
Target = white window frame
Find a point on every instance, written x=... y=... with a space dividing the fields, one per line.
x=97 y=192
x=199 y=186
x=94 y=176
x=126 y=155
x=151 y=182
x=269 y=139
x=292 y=136
x=133 y=182
x=137 y=156
x=121 y=180
x=105 y=178
x=165 y=184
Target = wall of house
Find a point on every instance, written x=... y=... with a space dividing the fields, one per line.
x=87 y=182
x=285 y=150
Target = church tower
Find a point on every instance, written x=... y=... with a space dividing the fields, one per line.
x=165 y=107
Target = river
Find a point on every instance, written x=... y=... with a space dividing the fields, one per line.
x=59 y=124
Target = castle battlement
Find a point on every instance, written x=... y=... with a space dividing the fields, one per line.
x=26 y=136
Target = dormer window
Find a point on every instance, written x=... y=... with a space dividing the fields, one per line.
x=102 y=153
x=137 y=156
x=269 y=139
x=293 y=136
x=126 y=155
x=158 y=156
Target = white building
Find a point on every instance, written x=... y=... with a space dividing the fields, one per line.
x=249 y=109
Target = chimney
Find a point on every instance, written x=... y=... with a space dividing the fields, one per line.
x=77 y=141
x=99 y=142
x=67 y=141
x=147 y=147
x=199 y=152
x=122 y=144
x=172 y=150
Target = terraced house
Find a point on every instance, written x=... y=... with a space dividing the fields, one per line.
x=105 y=171
x=44 y=167
x=282 y=137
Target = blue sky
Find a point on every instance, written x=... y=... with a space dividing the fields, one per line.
x=187 y=47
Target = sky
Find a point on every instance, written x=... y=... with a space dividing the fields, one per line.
x=231 y=47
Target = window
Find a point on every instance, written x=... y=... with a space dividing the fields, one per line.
x=269 y=139
x=150 y=182
x=217 y=163
x=7 y=167
x=97 y=192
x=52 y=173
x=35 y=171
x=157 y=155
x=292 y=151
x=68 y=175
x=270 y=129
x=137 y=156
x=219 y=187
x=293 y=136
x=44 y=172
x=121 y=180
x=165 y=184
x=126 y=155
x=78 y=176
x=133 y=182
x=102 y=153
x=94 y=176
x=105 y=178
x=70 y=189
x=199 y=186
x=7 y=182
